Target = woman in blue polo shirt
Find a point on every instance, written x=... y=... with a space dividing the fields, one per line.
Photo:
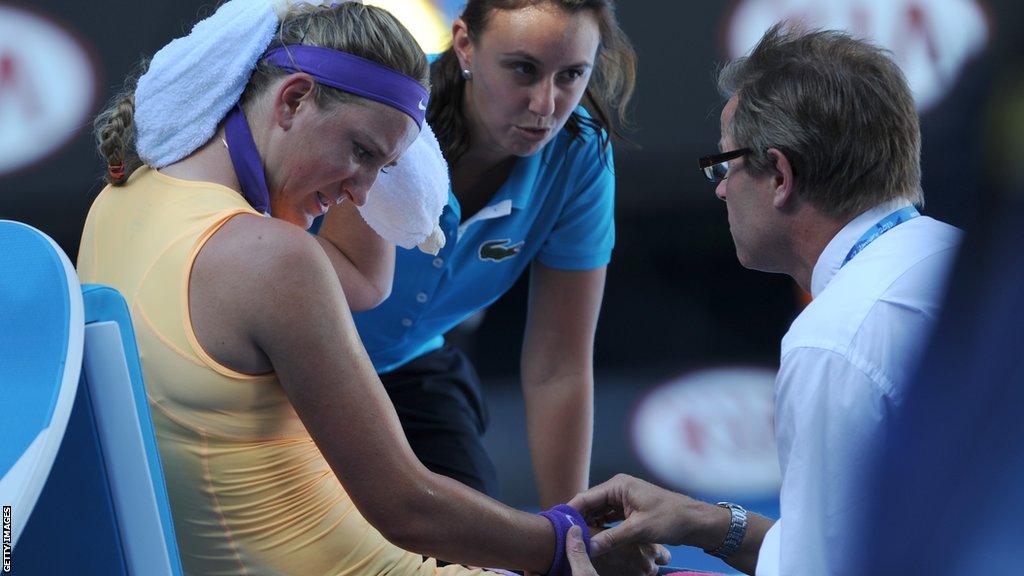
x=532 y=186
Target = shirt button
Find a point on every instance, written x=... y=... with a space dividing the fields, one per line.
x=438 y=262
x=421 y=297
x=406 y=322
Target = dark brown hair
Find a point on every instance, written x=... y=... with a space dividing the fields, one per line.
x=838 y=107
x=606 y=98
x=365 y=31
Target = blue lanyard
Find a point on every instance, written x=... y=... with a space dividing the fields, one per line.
x=884 y=225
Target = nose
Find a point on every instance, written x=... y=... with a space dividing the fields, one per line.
x=720 y=190
x=542 y=98
x=358 y=194
x=358 y=188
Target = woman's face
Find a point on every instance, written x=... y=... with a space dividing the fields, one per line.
x=331 y=154
x=530 y=69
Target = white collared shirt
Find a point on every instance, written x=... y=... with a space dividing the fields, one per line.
x=845 y=362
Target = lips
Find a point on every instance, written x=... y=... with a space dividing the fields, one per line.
x=531 y=133
x=325 y=204
x=322 y=200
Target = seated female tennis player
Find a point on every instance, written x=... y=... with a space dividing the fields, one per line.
x=282 y=452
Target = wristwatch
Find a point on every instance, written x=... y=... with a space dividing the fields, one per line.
x=737 y=530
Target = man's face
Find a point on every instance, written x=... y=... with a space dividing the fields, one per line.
x=748 y=200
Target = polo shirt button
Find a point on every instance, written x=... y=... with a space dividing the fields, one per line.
x=438 y=262
x=406 y=322
x=421 y=297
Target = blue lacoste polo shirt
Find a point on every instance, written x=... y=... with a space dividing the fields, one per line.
x=557 y=206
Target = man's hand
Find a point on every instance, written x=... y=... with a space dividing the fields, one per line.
x=577 y=553
x=631 y=559
x=649 y=514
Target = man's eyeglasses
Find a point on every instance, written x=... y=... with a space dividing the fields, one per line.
x=716 y=167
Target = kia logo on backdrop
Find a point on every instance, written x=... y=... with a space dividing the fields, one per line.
x=710 y=433
x=48 y=86
x=931 y=40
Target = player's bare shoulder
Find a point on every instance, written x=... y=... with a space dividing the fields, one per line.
x=251 y=274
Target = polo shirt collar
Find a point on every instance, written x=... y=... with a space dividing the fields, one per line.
x=515 y=193
x=831 y=258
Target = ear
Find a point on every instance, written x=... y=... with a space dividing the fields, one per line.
x=294 y=92
x=461 y=43
x=784 y=186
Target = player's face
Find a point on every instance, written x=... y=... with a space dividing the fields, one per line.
x=334 y=154
x=530 y=69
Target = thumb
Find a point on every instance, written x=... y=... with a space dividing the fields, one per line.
x=576 y=551
x=612 y=538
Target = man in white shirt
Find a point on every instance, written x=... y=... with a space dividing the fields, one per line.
x=819 y=169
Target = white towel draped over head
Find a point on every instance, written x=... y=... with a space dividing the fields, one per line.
x=195 y=80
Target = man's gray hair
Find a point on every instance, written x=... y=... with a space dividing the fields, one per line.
x=840 y=110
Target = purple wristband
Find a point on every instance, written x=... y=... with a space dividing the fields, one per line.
x=563 y=517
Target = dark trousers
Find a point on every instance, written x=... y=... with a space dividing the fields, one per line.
x=440 y=403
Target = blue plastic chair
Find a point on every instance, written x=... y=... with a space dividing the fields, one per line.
x=41 y=342
x=95 y=501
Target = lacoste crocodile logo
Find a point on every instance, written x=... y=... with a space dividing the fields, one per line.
x=498 y=250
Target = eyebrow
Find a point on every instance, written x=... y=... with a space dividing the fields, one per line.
x=531 y=58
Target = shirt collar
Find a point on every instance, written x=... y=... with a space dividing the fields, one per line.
x=831 y=258
x=515 y=193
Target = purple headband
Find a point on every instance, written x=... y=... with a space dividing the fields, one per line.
x=333 y=68
x=356 y=75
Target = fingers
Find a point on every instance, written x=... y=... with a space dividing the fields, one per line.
x=576 y=551
x=661 y=555
x=614 y=537
x=604 y=500
x=589 y=501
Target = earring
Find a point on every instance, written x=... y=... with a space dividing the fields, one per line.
x=467 y=74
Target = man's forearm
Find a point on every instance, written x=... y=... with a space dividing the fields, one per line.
x=745 y=559
x=705 y=525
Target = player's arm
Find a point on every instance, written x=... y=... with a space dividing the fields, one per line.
x=363 y=261
x=294 y=311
